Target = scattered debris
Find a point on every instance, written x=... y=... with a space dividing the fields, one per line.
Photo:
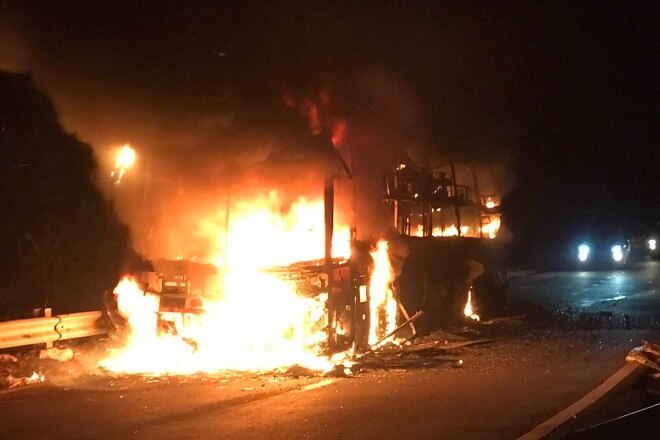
x=393 y=332
x=458 y=363
x=7 y=359
x=442 y=347
x=440 y=335
x=339 y=370
x=505 y=320
x=297 y=371
x=422 y=346
x=647 y=355
x=14 y=382
x=62 y=355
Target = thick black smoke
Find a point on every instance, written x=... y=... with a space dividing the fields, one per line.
x=212 y=93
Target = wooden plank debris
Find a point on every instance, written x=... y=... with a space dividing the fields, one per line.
x=442 y=347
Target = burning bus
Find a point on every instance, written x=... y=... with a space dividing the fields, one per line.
x=455 y=263
x=296 y=287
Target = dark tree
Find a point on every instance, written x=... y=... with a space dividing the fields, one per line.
x=61 y=244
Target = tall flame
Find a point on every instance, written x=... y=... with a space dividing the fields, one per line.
x=383 y=305
x=469 y=309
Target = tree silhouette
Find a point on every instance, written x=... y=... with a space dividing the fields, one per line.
x=61 y=243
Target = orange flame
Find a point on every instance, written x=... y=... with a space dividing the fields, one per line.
x=490 y=229
x=260 y=321
x=383 y=305
x=261 y=235
x=469 y=309
x=259 y=324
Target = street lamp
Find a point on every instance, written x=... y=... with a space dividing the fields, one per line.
x=124 y=160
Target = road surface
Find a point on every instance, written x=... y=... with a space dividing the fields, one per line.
x=501 y=392
x=634 y=292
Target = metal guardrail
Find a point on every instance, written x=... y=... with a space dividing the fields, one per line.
x=51 y=329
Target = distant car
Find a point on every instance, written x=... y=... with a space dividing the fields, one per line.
x=652 y=245
x=602 y=253
x=653 y=242
x=645 y=242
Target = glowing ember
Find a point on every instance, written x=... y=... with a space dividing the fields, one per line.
x=383 y=305
x=469 y=309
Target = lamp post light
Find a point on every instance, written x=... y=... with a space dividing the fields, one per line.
x=124 y=160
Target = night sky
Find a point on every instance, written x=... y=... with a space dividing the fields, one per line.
x=559 y=97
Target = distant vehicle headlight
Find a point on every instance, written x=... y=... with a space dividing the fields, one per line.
x=652 y=244
x=617 y=253
x=583 y=252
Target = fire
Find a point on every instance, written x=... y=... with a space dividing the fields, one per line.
x=492 y=202
x=260 y=321
x=491 y=228
x=451 y=231
x=261 y=235
x=139 y=308
x=469 y=309
x=259 y=324
x=383 y=305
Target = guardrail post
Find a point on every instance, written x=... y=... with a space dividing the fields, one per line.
x=48 y=312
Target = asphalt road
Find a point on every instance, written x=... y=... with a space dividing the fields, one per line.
x=634 y=292
x=501 y=392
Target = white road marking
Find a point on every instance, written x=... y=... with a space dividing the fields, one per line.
x=561 y=417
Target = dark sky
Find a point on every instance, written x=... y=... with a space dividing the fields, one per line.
x=560 y=97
